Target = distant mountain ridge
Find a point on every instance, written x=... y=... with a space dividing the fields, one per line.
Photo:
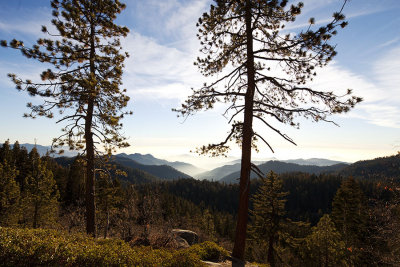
x=164 y=172
x=314 y=161
x=284 y=167
x=219 y=173
x=148 y=159
x=137 y=173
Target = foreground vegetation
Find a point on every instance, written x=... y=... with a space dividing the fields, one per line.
x=38 y=247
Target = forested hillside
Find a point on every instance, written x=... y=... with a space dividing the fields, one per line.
x=385 y=167
x=141 y=208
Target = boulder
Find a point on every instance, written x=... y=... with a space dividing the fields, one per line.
x=190 y=236
x=180 y=242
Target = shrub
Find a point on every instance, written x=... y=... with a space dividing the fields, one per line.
x=38 y=247
x=209 y=251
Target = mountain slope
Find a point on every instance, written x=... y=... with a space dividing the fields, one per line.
x=164 y=172
x=149 y=159
x=385 y=167
x=217 y=173
x=283 y=167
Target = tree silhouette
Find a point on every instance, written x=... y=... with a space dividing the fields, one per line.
x=84 y=82
x=245 y=39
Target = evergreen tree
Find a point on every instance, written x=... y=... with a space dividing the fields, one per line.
x=6 y=153
x=9 y=195
x=40 y=195
x=324 y=246
x=84 y=83
x=75 y=186
x=21 y=160
x=349 y=215
x=270 y=228
x=245 y=37
x=109 y=198
x=207 y=224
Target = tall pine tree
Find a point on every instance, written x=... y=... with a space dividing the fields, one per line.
x=270 y=228
x=84 y=83
x=246 y=38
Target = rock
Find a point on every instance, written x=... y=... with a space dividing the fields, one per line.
x=180 y=242
x=210 y=263
x=190 y=236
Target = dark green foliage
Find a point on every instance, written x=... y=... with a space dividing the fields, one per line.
x=270 y=230
x=349 y=214
x=324 y=247
x=379 y=168
x=40 y=194
x=75 y=185
x=9 y=195
x=109 y=197
x=310 y=195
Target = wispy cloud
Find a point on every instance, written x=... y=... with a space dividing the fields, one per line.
x=380 y=90
x=157 y=71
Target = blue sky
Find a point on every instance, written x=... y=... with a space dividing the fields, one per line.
x=160 y=73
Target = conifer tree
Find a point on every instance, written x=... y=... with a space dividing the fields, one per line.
x=84 y=83
x=269 y=225
x=109 y=197
x=324 y=245
x=245 y=40
x=40 y=195
x=6 y=153
x=9 y=195
x=349 y=215
x=75 y=186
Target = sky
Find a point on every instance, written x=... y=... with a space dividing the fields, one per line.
x=160 y=72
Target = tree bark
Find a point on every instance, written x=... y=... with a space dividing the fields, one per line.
x=35 y=215
x=244 y=187
x=270 y=257
x=90 y=174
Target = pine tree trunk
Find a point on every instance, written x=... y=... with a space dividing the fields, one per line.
x=244 y=187
x=107 y=224
x=90 y=175
x=270 y=257
x=35 y=215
